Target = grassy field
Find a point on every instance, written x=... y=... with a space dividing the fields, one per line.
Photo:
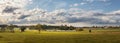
x=32 y=36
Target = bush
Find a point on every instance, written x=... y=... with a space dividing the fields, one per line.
x=79 y=29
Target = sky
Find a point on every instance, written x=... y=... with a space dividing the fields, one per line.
x=60 y=12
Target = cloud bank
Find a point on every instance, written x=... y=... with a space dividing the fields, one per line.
x=14 y=12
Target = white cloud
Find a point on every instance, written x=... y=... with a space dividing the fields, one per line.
x=73 y=15
x=76 y=4
x=16 y=13
x=15 y=3
x=115 y=12
x=77 y=15
x=83 y=3
x=12 y=9
x=104 y=0
x=96 y=0
x=89 y=0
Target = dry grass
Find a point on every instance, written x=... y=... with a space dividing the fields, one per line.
x=32 y=36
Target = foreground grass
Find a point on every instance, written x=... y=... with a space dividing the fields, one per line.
x=97 y=36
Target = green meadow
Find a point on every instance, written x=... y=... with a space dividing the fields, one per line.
x=32 y=36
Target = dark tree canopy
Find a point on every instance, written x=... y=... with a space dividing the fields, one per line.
x=22 y=29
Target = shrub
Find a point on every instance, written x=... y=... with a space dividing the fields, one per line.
x=79 y=29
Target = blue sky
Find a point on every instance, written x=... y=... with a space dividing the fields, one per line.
x=60 y=12
x=50 y=5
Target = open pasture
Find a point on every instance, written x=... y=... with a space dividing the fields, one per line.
x=32 y=36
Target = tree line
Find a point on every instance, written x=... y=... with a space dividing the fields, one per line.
x=39 y=27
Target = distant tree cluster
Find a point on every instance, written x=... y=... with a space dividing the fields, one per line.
x=7 y=27
x=45 y=27
x=39 y=27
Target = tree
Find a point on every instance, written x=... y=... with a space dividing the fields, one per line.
x=38 y=27
x=22 y=29
x=65 y=27
x=90 y=30
x=44 y=26
x=11 y=28
x=71 y=28
x=3 y=28
x=32 y=27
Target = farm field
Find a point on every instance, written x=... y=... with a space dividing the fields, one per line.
x=32 y=36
